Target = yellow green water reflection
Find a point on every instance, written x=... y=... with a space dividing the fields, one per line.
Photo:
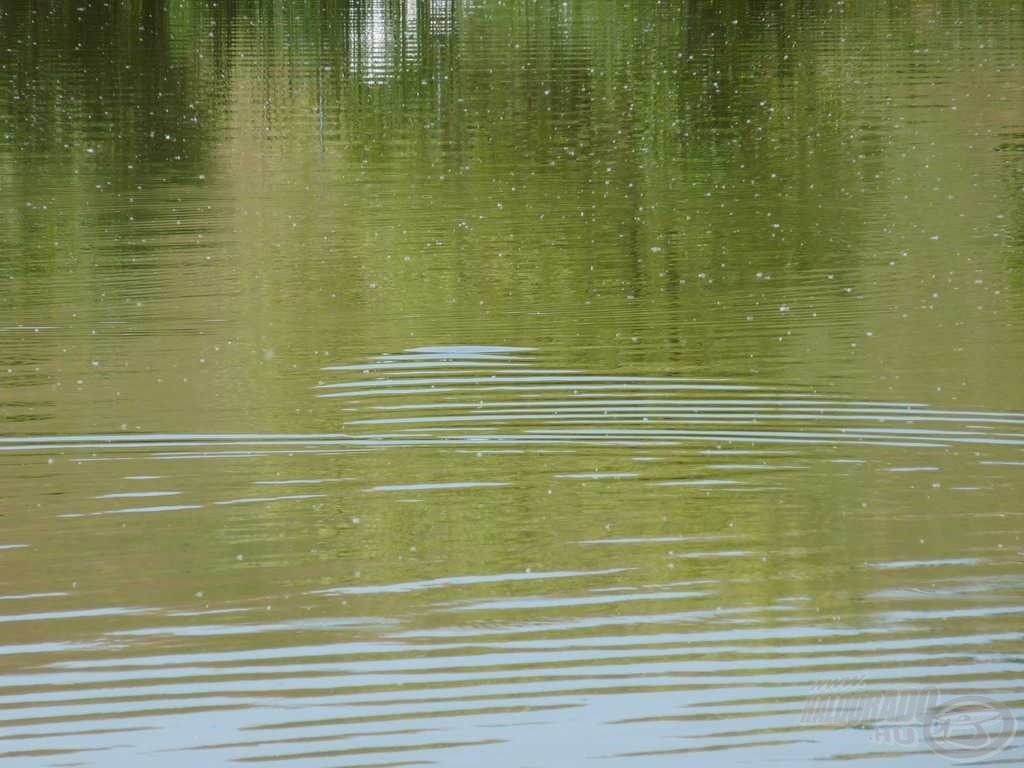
x=508 y=382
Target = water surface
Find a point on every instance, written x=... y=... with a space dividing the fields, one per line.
x=509 y=383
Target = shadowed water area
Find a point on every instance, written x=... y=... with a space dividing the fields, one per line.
x=514 y=383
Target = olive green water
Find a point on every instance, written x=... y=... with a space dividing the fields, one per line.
x=505 y=383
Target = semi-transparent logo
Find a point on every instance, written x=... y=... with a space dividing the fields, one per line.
x=962 y=729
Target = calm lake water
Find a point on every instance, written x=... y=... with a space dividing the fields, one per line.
x=509 y=383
